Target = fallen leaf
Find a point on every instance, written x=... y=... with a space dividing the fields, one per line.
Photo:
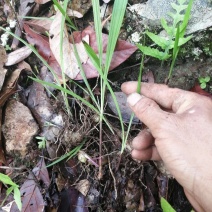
x=41 y=172
x=42 y=44
x=83 y=186
x=199 y=90
x=122 y=51
x=41 y=26
x=24 y=9
x=72 y=200
x=10 y=87
x=18 y=55
x=31 y=197
x=3 y=72
x=74 y=13
x=42 y=1
x=3 y=56
x=24 y=66
x=67 y=59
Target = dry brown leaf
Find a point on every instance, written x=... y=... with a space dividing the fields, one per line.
x=3 y=59
x=10 y=87
x=40 y=25
x=42 y=1
x=74 y=13
x=69 y=62
x=18 y=55
x=41 y=172
x=83 y=186
x=24 y=9
x=31 y=197
x=24 y=66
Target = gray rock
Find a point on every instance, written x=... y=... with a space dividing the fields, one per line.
x=154 y=10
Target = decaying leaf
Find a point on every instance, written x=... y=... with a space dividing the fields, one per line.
x=41 y=172
x=199 y=90
x=24 y=9
x=74 y=13
x=18 y=55
x=10 y=86
x=122 y=52
x=24 y=66
x=41 y=26
x=31 y=197
x=72 y=200
x=83 y=186
x=65 y=58
x=42 y=1
x=42 y=45
x=3 y=59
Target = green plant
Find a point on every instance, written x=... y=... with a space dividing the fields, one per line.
x=203 y=81
x=42 y=142
x=166 y=207
x=13 y=188
x=175 y=35
x=102 y=68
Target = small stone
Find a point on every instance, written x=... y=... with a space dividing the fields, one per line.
x=19 y=127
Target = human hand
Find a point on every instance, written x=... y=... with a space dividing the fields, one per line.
x=182 y=138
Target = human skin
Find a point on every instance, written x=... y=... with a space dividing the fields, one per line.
x=179 y=133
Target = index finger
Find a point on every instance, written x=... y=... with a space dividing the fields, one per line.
x=169 y=98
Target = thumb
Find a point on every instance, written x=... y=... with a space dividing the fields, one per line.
x=147 y=110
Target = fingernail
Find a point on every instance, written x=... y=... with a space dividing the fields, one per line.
x=133 y=98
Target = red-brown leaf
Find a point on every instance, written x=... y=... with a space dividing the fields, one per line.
x=41 y=172
x=122 y=52
x=199 y=90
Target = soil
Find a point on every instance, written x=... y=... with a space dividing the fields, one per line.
x=126 y=184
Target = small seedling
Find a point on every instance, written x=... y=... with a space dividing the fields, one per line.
x=203 y=81
x=13 y=188
x=175 y=35
x=41 y=143
x=166 y=207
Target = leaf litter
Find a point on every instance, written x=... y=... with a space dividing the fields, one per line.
x=72 y=183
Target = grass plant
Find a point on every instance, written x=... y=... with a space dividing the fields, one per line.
x=175 y=35
x=13 y=187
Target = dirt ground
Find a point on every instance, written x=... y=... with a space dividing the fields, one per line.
x=29 y=111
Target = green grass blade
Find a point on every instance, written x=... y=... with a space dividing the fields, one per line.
x=69 y=154
x=64 y=14
x=119 y=9
x=184 y=24
x=175 y=51
x=92 y=55
x=17 y=197
x=71 y=93
x=94 y=60
x=138 y=90
x=84 y=76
